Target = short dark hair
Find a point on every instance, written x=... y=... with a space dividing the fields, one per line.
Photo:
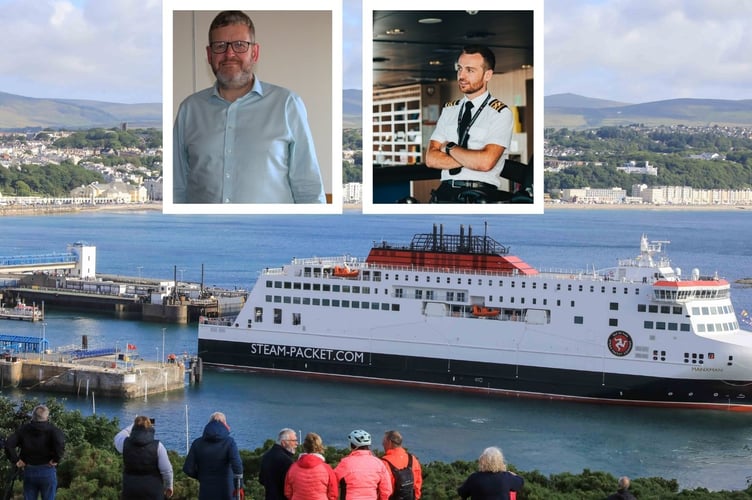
x=228 y=17
x=489 y=59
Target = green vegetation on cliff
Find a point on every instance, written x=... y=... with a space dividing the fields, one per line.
x=92 y=468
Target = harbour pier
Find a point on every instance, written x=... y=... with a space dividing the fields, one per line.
x=111 y=376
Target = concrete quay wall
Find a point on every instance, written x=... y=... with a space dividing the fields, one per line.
x=104 y=377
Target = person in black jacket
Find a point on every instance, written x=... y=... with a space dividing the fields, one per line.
x=41 y=447
x=622 y=493
x=215 y=461
x=275 y=464
x=147 y=471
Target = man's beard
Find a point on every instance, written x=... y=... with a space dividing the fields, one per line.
x=471 y=89
x=237 y=80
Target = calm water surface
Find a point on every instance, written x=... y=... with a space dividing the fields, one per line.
x=545 y=435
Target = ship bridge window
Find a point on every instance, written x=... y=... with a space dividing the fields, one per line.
x=258 y=313
x=277 y=316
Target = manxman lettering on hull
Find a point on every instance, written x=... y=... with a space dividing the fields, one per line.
x=460 y=312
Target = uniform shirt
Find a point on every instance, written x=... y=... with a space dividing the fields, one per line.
x=257 y=149
x=491 y=127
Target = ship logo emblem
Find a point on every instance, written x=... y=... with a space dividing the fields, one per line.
x=619 y=343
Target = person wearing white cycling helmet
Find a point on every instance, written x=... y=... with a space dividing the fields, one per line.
x=362 y=475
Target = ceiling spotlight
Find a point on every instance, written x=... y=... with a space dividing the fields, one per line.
x=434 y=62
x=395 y=31
x=430 y=20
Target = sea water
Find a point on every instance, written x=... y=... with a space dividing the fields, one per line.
x=698 y=448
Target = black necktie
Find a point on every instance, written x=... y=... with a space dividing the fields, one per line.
x=464 y=122
x=461 y=135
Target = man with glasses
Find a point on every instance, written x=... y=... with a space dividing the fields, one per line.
x=242 y=140
x=275 y=462
x=472 y=135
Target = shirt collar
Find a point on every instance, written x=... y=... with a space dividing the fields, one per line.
x=478 y=100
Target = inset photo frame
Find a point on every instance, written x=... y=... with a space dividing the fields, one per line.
x=273 y=149
x=419 y=69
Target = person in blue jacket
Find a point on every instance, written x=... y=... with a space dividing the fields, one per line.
x=215 y=461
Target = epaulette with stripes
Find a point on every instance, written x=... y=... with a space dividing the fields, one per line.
x=497 y=105
x=452 y=103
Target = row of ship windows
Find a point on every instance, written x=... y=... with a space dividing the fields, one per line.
x=673 y=295
x=318 y=287
x=354 y=304
x=377 y=277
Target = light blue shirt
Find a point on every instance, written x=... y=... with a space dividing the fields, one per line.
x=257 y=149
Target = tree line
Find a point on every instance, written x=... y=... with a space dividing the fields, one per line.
x=92 y=468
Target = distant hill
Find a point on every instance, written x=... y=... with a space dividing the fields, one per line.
x=578 y=112
x=352 y=108
x=19 y=112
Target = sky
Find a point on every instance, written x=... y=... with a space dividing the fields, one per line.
x=622 y=50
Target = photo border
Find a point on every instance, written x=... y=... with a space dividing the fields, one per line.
x=453 y=208
x=168 y=207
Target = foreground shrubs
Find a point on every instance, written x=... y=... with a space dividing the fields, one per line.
x=92 y=468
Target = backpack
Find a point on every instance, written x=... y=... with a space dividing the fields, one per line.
x=403 y=480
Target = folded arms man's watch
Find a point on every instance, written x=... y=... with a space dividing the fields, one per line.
x=448 y=147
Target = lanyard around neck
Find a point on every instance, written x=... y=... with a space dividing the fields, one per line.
x=461 y=140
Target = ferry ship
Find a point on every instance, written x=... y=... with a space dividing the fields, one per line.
x=460 y=312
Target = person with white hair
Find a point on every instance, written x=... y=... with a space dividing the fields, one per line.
x=275 y=463
x=492 y=480
x=622 y=492
x=41 y=446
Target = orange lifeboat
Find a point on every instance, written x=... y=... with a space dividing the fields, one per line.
x=485 y=312
x=344 y=272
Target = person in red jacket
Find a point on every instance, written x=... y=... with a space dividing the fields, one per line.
x=362 y=475
x=398 y=457
x=310 y=477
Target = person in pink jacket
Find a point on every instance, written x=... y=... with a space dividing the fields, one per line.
x=311 y=478
x=361 y=475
